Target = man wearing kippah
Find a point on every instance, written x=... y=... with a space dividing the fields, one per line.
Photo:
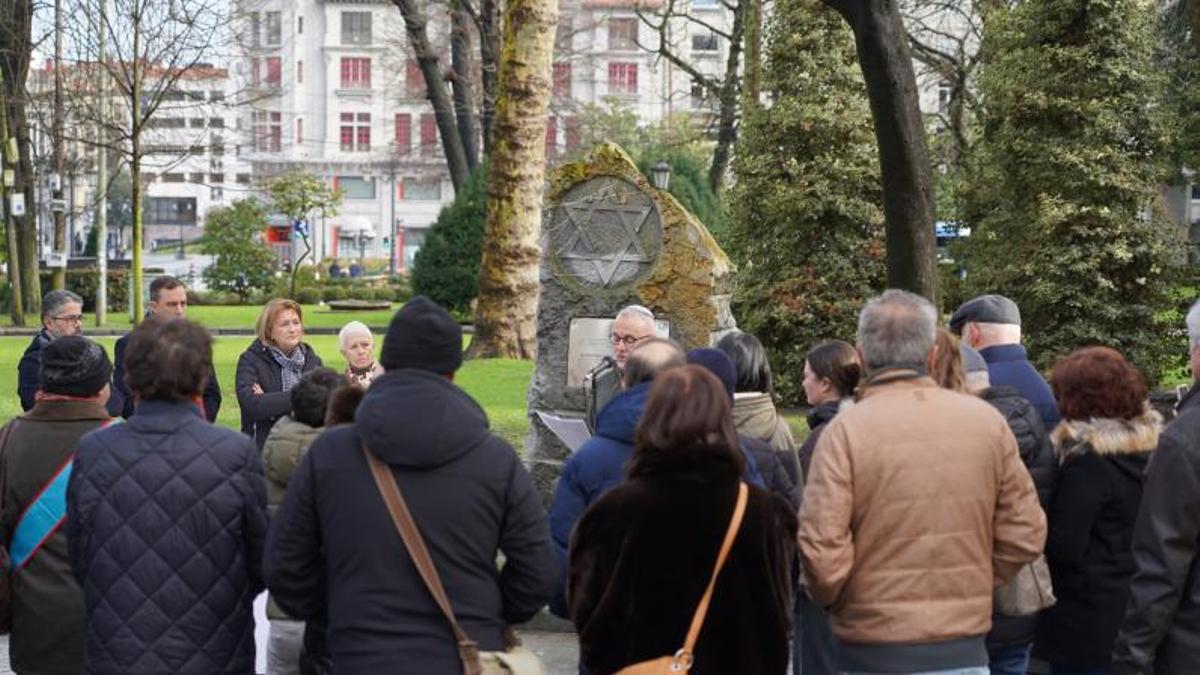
x=333 y=550
x=36 y=451
x=992 y=325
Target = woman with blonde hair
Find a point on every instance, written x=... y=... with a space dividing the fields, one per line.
x=271 y=366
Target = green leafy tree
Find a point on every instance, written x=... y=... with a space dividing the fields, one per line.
x=302 y=196
x=1061 y=202
x=234 y=235
x=446 y=268
x=1179 y=60
x=807 y=229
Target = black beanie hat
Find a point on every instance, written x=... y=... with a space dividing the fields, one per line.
x=74 y=366
x=422 y=335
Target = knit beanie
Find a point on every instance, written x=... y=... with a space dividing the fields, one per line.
x=422 y=335
x=716 y=362
x=74 y=366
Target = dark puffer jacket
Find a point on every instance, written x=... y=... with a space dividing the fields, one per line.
x=334 y=547
x=642 y=555
x=121 y=401
x=166 y=521
x=1161 y=630
x=818 y=417
x=260 y=412
x=1090 y=540
x=1009 y=366
x=47 y=604
x=1037 y=453
x=29 y=370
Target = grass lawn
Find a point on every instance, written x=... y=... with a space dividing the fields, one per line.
x=498 y=384
x=235 y=316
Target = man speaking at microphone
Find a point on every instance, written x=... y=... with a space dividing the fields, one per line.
x=633 y=325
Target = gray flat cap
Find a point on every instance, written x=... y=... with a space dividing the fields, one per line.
x=972 y=360
x=985 y=309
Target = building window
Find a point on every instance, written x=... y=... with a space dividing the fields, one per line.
x=429 y=133
x=551 y=137
x=414 y=80
x=268 y=130
x=173 y=178
x=422 y=190
x=299 y=130
x=704 y=42
x=255 y=73
x=216 y=122
x=699 y=95
x=356 y=187
x=571 y=134
x=356 y=28
x=255 y=29
x=299 y=72
x=403 y=134
x=216 y=96
x=274 y=72
x=945 y=91
x=562 y=80
x=622 y=78
x=243 y=179
x=564 y=33
x=299 y=25
x=216 y=178
x=274 y=29
x=216 y=194
x=355 y=132
x=622 y=34
x=356 y=73
x=171 y=210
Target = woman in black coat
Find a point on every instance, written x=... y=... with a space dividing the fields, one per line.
x=643 y=554
x=271 y=366
x=1103 y=446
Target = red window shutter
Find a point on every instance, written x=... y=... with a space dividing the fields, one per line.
x=414 y=80
x=364 y=137
x=551 y=136
x=428 y=130
x=403 y=133
x=572 y=133
x=365 y=74
x=562 y=80
x=299 y=72
x=615 y=71
x=274 y=71
x=347 y=64
x=347 y=138
x=631 y=77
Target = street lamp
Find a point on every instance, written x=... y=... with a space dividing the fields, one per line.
x=661 y=175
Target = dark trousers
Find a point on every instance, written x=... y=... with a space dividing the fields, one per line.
x=814 y=648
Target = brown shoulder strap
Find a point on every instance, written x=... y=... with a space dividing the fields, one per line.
x=415 y=544
x=684 y=657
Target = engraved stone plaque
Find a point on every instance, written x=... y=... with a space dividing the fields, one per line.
x=605 y=232
x=588 y=344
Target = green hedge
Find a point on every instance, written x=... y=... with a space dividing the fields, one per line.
x=84 y=281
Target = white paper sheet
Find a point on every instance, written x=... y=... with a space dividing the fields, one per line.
x=572 y=431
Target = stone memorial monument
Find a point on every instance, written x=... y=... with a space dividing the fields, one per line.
x=611 y=239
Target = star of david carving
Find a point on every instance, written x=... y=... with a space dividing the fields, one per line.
x=579 y=246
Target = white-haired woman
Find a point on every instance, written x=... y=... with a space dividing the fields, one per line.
x=358 y=347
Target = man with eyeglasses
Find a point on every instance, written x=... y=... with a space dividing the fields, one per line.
x=62 y=315
x=633 y=325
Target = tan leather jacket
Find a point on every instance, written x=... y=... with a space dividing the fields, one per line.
x=917 y=507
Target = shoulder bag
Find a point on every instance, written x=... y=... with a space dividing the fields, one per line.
x=516 y=660
x=683 y=659
x=1028 y=593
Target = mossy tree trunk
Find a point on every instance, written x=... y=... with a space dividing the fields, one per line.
x=506 y=313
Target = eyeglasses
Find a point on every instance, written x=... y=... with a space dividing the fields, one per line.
x=69 y=318
x=627 y=340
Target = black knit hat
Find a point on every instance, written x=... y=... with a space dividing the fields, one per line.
x=74 y=366
x=422 y=335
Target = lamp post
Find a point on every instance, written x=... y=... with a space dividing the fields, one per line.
x=661 y=175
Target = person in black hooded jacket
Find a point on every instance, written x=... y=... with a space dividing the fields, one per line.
x=1011 y=638
x=333 y=550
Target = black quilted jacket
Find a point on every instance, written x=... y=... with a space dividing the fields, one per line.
x=166 y=522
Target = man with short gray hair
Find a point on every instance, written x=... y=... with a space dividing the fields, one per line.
x=1161 y=630
x=62 y=315
x=916 y=506
x=632 y=325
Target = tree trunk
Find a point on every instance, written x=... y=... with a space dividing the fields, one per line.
x=59 y=276
x=728 y=99
x=752 y=89
x=506 y=314
x=900 y=133
x=462 y=65
x=16 y=45
x=489 y=55
x=16 y=301
x=135 y=177
x=415 y=24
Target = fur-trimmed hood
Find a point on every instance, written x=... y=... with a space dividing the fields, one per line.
x=1107 y=436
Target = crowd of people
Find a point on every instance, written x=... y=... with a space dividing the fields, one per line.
x=949 y=512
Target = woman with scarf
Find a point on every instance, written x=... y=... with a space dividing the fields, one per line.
x=358 y=347
x=271 y=366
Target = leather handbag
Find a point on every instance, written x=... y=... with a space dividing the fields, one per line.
x=683 y=659
x=1028 y=593
x=515 y=660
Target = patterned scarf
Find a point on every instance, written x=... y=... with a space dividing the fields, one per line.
x=290 y=367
